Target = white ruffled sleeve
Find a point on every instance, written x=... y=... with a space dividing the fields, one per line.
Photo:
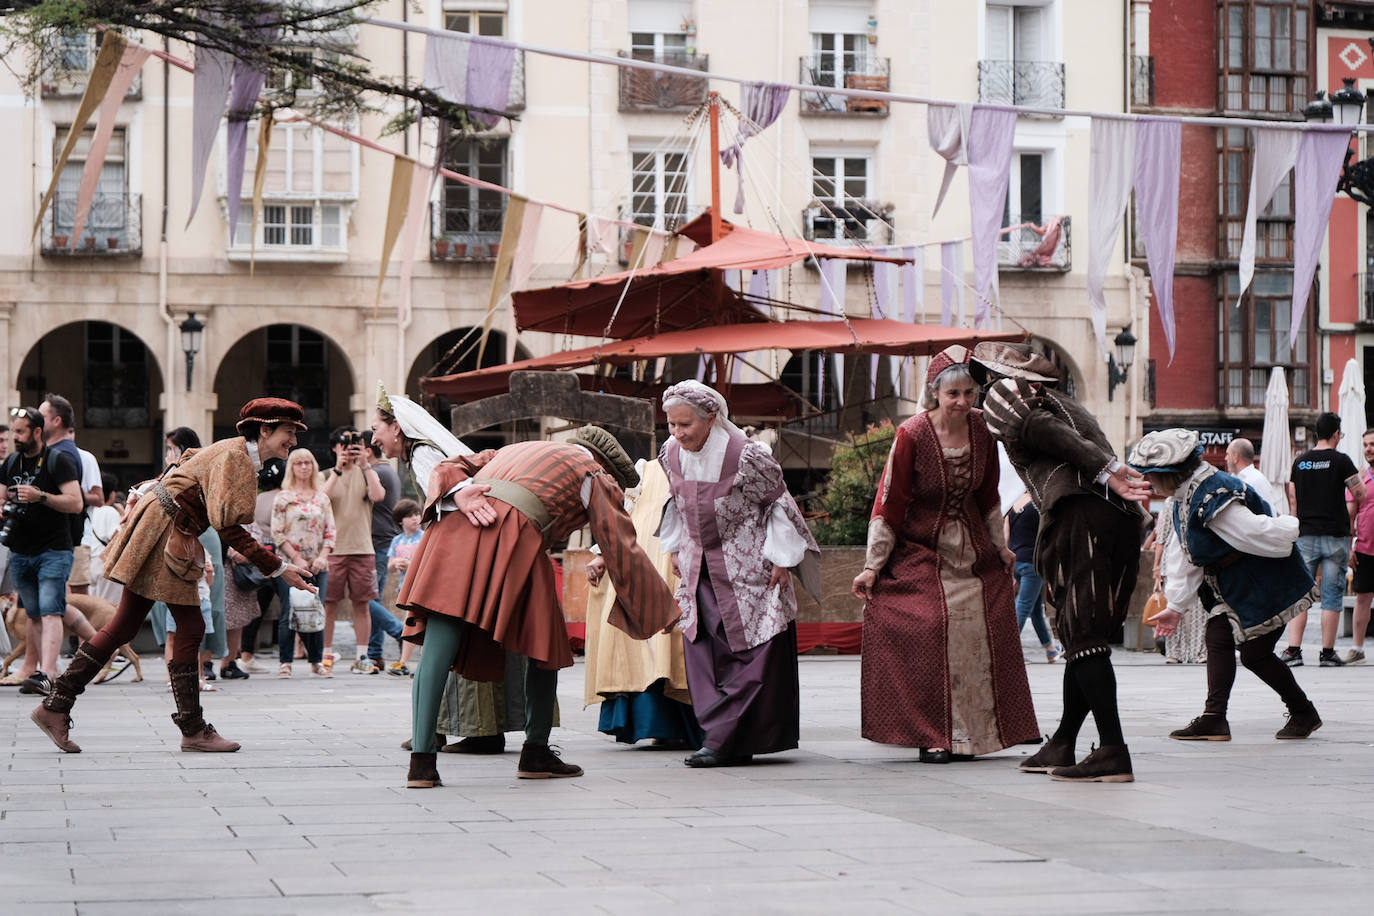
x=672 y=533
x=782 y=545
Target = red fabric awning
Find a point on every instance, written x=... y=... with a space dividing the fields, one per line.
x=688 y=292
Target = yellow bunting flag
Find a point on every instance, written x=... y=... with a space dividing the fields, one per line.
x=402 y=172
x=259 y=178
x=510 y=235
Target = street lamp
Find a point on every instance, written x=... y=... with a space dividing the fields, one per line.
x=191 y=331
x=1344 y=108
x=1119 y=366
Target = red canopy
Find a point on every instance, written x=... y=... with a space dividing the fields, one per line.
x=688 y=292
x=869 y=335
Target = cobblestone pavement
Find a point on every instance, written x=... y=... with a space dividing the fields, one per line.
x=311 y=817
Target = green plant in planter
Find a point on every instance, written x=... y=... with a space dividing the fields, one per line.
x=847 y=497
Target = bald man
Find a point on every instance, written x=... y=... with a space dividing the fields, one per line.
x=1240 y=462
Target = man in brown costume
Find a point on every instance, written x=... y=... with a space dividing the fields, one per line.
x=481 y=581
x=157 y=556
x=1087 y=549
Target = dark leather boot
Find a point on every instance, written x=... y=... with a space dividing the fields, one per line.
x=539 y=761
x=424 y=772
x=1300 y=724
x=1053 y=754
x=85 y=665
x=1206 y=727
x=478 y=744
x=196 y=733
x=1110 y=763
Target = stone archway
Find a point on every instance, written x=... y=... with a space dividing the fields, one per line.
x=287 y=361
x=115 y=385
x=456 y=351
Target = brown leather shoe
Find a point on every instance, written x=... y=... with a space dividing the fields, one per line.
x=1110 y=763
x=424 y=772
x=1204 y=728
x=1300 y=724
x=439 y=743
x=57 y=726
x=1053 y=754
x=208 y=741
x=479 y=744
x=539 y=761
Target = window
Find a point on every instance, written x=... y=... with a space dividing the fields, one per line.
x=1273 y=226
x=1253 y=339
x=661 y=29
x=308 y=193
x=1018 y=65
x=302 y=81
x=109 y=214
x=77 y=49
x=812 y=376
x=1016 y=33
x=841 y=186
x=1025 y=191
x=474 y=215
x=298 y=370
x=116 y=388
x=476 y=22
x=1263 y=52
x=659 y=188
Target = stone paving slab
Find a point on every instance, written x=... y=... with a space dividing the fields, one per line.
x=311 y=816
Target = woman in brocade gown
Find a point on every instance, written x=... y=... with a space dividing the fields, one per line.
x=942 y=668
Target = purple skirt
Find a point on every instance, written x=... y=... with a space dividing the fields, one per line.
x=747 y=702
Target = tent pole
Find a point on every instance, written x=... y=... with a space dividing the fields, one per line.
x=714 y=103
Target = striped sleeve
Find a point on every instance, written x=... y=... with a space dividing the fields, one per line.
x=643 y=604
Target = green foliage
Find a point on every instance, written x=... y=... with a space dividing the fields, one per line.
x=847 y=498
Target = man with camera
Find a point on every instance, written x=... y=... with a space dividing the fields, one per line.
x=352 y=487
x=40 y=489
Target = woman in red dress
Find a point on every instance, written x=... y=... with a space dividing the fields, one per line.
x=942 y=668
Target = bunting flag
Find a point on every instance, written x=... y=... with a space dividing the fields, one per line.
x=259 y=180
x=421 y=182
x=97 y=85
x=1275 y=152
x=760 y=105
x=951 y=280
x=948 y=129
x=398 y=201
x=652 y=253
x=581 y=262
x=913 y=284
x=990 y=136
x=1111 y=166
x=522 y=264
x=471 y=73
x=213 y=77
x=130 y=64
x=511 y=228
x=1315 y=177
x=242 y=99
x=1158 y=157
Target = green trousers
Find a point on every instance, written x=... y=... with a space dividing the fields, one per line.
x=443 y=639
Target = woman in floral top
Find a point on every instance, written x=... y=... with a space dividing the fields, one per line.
x=303 y=530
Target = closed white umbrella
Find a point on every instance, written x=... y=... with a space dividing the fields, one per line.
x=1351 y=404
x=1276 y=445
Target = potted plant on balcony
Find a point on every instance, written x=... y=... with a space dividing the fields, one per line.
x=60 y=241
x=90 y=242
x=441 y=246
x=112 y=242
x=459 y=250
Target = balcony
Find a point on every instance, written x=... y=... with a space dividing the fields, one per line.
x=860 y=224
x=1040 y=249
x=826 y=70
x=1365 y=318
x=114 y=227
x=74 y=57
x=651 y=90
x=1034 y=83
x=1142 y=81
x=461 y=235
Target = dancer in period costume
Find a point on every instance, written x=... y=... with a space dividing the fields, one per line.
x=1088 y=550
x=481 y=581
x=479 y=713
x=735 y=532
x=640 y=684
x=942 y=666
x=156 y=556
x=1230 y=553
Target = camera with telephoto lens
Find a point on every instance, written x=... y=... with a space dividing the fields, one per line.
x=13 y=510
x=352 y=440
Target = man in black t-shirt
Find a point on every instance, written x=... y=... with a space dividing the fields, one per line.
x=1316 y=492
x=40 y=489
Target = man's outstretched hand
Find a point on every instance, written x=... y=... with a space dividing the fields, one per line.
x=1130 y=485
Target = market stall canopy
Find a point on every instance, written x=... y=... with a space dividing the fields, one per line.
x=877 y=336
x=688 y=292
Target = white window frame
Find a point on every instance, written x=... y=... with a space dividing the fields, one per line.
x=839 y=154
x=660 y=189
x=1052 y=26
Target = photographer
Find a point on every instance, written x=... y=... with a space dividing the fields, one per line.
x=352 y=487
x=40 y=489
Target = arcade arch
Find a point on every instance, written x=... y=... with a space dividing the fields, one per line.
x=456 y=351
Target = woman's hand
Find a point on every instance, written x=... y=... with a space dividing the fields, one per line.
x=779 y=576
x=319 y=564
x=672 y=558
x=863 y=584
x=472 y=501
x=236 y=557
x=1008 y=559
x=298 y=577
x=596 y=568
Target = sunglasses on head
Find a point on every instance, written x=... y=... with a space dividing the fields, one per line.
x=28 y=413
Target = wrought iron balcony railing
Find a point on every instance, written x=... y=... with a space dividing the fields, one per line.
x=1034 y=83
x=1142 y=80
x=860 y=223
x=1036 y=247
x=650 y=90
x=1366 y=293
x=464 y=235
x=830 y=69
x=75 y=56
x=114 y=227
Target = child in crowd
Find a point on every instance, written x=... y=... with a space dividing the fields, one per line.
x=398 y=555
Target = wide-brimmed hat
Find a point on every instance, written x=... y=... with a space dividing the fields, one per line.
x=271 y=410
x=1014 y=361
x=1164 y=451
x=609 y=452
x=949 y=356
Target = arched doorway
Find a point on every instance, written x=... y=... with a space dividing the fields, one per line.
x=287 y=361
x=456 y=351
x=115 y=386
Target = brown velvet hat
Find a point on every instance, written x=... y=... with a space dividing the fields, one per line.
x=609 y=453
x=272 y=410
x=1014 y=361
